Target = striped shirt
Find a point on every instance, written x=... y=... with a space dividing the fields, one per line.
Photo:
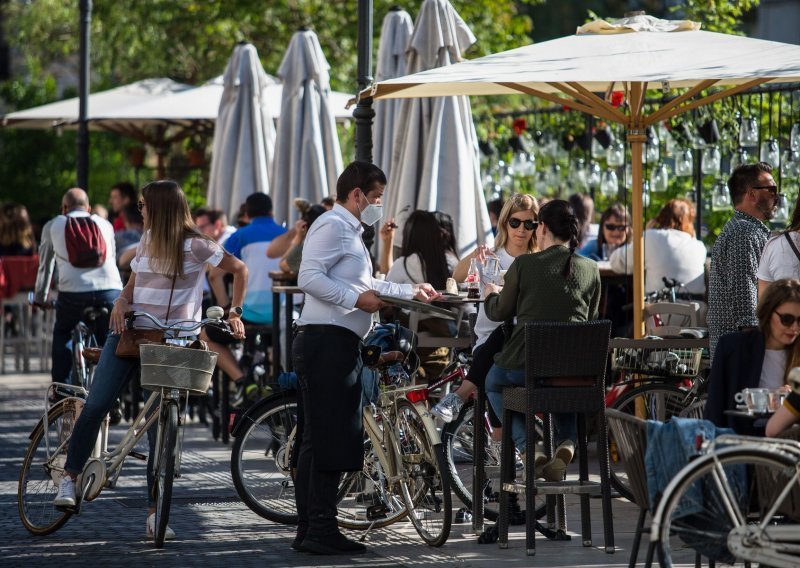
x=151 y=293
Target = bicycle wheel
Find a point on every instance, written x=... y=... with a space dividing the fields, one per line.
x=261 y=461
x=660 y=401
x=165 y=472
x=425 y=486
x=459 y=452
x=79 y=367
x=716 y=507
x=43 y=469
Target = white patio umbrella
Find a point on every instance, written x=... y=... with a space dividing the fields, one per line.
x=244 y=136
x=630 y=55
x=435 y=163
x=308 y=159
x=395 y=34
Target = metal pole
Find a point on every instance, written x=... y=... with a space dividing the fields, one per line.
x=364 y=112
x=83 y=87
x=698 y=180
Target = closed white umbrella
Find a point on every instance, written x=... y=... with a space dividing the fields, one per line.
x=395 y=35
x=244 y=136
x=435 y=159
x=308 y=159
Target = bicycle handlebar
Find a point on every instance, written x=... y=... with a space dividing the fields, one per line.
x=214 y=316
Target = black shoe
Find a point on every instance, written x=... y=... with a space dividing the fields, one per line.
x=298 y=541
x=246 y=393
x=333 y=544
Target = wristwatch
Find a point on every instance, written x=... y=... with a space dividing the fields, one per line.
x=236 y=311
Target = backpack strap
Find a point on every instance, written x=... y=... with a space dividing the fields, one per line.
x=791 y=244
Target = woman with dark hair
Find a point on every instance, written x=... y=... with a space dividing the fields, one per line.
x=670 y=250
x=166 y=282
x=16 y=232
x=779 y=259
x=290 y=261
x=448 y=231
x=425 y=257
x=552 y=285
x=756 y=358
x=615 y=231
x=583 y=205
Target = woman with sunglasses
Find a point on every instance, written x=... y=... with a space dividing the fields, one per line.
x=516 y=235
x=761 y=357
x=553 y=285
x=614 y=231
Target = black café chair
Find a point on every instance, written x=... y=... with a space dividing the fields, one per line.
x=565 y=365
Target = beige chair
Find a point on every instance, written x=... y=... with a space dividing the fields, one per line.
x=666 y=319
x=427 y=339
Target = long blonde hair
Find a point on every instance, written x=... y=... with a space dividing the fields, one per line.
x=517 y=202
x=168 y=223
x=775 y=295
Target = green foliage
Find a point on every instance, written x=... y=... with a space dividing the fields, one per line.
x=721 y=16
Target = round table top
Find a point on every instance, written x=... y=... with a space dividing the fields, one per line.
x=417 y=306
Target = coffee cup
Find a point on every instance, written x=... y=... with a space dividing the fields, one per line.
x=756 y=399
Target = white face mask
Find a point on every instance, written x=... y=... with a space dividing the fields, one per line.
x=371 y=214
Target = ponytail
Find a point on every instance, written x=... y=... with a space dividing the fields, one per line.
x=559 y=218
x=574 y=229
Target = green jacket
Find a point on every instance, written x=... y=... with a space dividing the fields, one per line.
x=535 y=290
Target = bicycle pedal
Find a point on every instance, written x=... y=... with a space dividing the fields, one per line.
x=463 y=515
x=376 y=512
x=137 y=455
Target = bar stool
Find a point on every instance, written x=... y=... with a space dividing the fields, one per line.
x=565 y=365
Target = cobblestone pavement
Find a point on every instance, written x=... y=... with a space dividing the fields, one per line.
x=215 y=529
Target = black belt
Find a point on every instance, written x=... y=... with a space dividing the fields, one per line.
x=330 y=329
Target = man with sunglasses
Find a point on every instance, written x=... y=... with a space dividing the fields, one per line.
x=733 y=285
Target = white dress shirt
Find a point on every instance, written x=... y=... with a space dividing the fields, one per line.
x=335 y=269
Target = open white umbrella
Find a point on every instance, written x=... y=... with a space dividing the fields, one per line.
x=308 y=159
x=435 y=163
x=244 y=136
x=630 y=55
x=395 y=35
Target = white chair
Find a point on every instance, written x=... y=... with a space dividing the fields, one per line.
x=666 y=319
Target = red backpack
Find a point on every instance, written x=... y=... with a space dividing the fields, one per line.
x=86 y=247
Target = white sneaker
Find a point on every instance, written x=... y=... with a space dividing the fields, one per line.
x=66 y=493
x=169 y=534
x=448 y=408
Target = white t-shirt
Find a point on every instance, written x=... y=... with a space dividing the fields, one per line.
x=483 y=325
x=408 y=270
x=667 y=253
x=773 y=369
x=778 y=259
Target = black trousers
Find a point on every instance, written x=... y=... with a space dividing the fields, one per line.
x=482 y=361
x=328 y=366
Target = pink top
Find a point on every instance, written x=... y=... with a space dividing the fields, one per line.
x=152 y=290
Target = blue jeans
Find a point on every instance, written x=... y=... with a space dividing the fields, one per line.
x=498 y=378
x=69 y=311
x=110 y=377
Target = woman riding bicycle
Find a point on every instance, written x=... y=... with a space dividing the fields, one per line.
x=166 y=282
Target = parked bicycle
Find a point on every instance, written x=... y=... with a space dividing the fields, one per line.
x=171 y=372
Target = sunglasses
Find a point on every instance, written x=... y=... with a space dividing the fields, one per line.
x=140 y=204
x=787 y=320
x=612 y=227
x=773 y=189
x=514 y=223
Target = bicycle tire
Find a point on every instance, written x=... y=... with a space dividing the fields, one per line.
x=703 y=522
x=79 y=368
x=165 y=472
x=458 y=442
x=662 y=401
x=425 y=485
x=39 y=476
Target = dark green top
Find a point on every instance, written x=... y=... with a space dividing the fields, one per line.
x=535 y=290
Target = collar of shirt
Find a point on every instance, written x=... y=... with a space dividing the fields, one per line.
x=750 y=219
x=266 y=220
x=78 y=213
x=347 y=216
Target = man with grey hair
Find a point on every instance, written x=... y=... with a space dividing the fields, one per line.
x=78 y=287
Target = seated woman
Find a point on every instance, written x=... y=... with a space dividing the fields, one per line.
x=759 y=357
x=553 y=285
x=670 y=250
x=424 y=258
x=515 y=236
x=290 y=261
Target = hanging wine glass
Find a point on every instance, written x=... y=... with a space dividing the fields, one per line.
x=721 y=199
x=659 y=178
x=615 y=156
x=748 y=131
x=790 y=165
x=610 y=184
x=684 y=163
x=770 y=152
x=739 y=157
x=781 y=211
x=593 y=174
x=794 y=137
x=711 y=160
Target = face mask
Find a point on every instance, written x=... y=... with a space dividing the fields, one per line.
x=371 y=214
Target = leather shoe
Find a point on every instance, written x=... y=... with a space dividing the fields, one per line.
x=333 y=544
x=298 y=541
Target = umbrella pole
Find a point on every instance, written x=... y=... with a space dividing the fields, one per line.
x=637 y=138
x=364 y=113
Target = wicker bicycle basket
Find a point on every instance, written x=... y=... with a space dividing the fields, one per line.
x=657 y=361
x=173 y=367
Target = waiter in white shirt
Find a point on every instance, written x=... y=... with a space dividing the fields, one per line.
x=341 y=295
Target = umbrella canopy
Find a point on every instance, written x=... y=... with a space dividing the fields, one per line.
x=308 y=159
x=395 y=35
x=244 y=137
x=629 y=55
x=435 y=163
x=65 y=112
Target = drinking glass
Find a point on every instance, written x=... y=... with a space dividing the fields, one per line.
x=659 y=178
x=616 y=154
x=610 y=184
x=748 y=131
x=491 y=270
x=711 y=160
x=770 y=152
x=684 y=163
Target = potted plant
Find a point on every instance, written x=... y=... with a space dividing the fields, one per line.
x=196 y=150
